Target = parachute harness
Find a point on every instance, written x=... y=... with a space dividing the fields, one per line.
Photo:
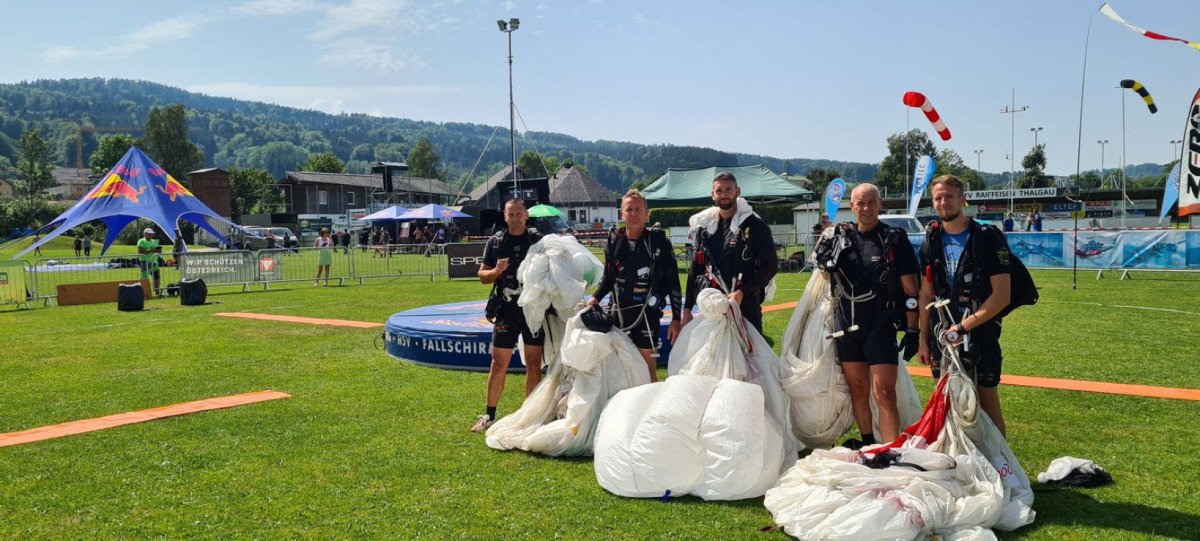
x=614 y=307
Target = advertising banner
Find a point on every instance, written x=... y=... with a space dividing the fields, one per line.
x=223 y=267
x=464 y=258
x=1163 y=250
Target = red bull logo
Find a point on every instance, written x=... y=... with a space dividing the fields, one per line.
x=173 y=189
x=114 y=186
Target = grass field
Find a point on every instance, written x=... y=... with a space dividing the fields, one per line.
x=369 y=447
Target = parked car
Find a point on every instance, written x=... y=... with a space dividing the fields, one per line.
x=255 y=238
x=910 y=225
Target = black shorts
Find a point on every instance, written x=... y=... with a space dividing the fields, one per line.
x=510 y=325
x=645 y=334
x=873 y=344
x=983 y=358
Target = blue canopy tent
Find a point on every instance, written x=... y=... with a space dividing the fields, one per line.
x=432 y=211
x=391 y=213
x=135 y=187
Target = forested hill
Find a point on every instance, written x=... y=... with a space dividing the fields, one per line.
x=275 y=138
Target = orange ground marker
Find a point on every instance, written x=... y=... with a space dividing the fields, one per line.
x=774 y=307
x=1063 y=384
x=120 y=419
x=1087 y=386
x=308 y=320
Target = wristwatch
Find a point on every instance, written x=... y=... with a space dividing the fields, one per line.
x=910 y=303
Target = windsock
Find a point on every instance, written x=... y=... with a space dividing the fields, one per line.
x=917 y=99
x=1141 y=90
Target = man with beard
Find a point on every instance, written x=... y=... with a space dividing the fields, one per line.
x=734 y=252
x=970 y=264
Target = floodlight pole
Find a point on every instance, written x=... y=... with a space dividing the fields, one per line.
x=1122 y=158
x=508 y=28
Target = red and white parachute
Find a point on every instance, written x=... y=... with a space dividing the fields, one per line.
x=918 y=100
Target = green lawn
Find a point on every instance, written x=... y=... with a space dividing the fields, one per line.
x=372 y=447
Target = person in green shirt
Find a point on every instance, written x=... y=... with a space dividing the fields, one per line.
x=148 y=250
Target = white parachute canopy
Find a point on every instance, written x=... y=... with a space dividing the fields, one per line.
x=820 y=400
x=717 y=428
x=555 y=274
x=559 y=417
x=951 y=474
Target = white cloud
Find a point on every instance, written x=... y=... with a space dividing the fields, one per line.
x=139 y=40
x=542 y=6
x=364 y=55
x=358 y=15
x=330 y=99
x=277 y=7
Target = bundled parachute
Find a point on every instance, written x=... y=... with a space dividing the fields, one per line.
x=554 y=274
x=820 y=399
x=1141 y=91
x=559 y=417
x=951 y=474
x=918 y=100
x=716 y=428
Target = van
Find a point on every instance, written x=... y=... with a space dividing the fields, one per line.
x=255 y=238
x=910 y=225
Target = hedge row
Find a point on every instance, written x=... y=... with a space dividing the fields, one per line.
x=678 y=216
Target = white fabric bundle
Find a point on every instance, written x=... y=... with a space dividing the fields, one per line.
x=559 y=417
x=968 y=487
x=820 y=400
x=716 y=428
x=554 y=274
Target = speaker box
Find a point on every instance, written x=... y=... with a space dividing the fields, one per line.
x=192 y=292
x=130 y=297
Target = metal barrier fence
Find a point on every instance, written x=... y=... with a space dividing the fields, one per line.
x=398 y=260
x=45 y=275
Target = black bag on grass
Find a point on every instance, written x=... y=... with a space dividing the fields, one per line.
x=192 y=292
x=130 y=297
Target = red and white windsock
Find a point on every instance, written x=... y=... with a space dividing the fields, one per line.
x=917 y=99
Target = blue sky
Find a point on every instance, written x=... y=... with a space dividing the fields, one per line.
x=783 y=78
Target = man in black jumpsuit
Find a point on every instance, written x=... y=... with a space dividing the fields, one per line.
x=640 y=272
x=502 y=255
x=876 y=287
x=737 y=258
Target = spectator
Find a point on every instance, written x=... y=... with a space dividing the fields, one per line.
x=1009 y=222
x=179 y=248
x=78 y=245
x=87 y=245
x=148 y=250
x=323 y=244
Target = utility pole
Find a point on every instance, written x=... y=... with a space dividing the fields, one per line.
x=1035 y=135
x=978 y=168
x=1102 y=142
x=1012 y=157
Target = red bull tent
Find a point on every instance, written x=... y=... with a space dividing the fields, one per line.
x=688 y=187
x=134 y=188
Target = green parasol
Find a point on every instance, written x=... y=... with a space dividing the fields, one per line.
x=544 y=211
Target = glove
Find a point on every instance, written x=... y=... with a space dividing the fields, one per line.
x=908 y=344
